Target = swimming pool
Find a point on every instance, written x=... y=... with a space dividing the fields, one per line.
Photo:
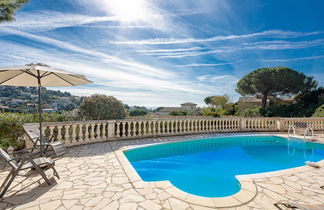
x=207 y=167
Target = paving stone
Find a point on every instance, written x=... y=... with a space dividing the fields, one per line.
x=93 y=201
x=69 y=203
x=51 y=205
x=112 y=206
x=177 y=204
x=128 y=206
x=92 y=178
x=150 y=205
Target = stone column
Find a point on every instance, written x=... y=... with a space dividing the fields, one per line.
x=111 y=129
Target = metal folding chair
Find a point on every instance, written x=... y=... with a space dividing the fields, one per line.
x=33 y=133
x=23 y=162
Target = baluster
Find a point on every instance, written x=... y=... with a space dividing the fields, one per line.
x=128 y=129
x=159 y=127
x=167 y=127
x=135 y=129
x=68 y=134
x=216 y=125
x=59 y=133
x=73 y=134
x=86 y=132
x=139 y=128
x=117 y=129
x=50 y=131
x=123 y=124
x=92 y=132
x=104 y=131
x=176 y=126
x=153 y=128
x=143 y=128
x=63 y=132
x=150 y=132
x=163 y=125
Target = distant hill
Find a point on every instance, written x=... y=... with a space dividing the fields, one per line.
x=24 y=100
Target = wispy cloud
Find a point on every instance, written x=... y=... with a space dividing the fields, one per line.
x=207 y=64
x=131 y=66
x=269 y=34
x=243 y=46
x=49 y=20
x=294 y=59
x=152 y=51
x=211 y=78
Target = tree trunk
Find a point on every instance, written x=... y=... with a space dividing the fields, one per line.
x=264 y=100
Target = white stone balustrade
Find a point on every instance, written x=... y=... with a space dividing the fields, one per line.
x=83 y=132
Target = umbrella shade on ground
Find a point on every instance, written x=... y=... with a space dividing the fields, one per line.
x=39 y=75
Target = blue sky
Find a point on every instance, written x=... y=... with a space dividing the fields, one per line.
x=166 y=52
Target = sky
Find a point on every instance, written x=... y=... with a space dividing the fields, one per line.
x=166 y=52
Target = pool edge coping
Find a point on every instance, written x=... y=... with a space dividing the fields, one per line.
x=247 y=192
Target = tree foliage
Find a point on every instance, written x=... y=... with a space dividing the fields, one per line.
x=8 y=9
x=218 y=101
x=11 y=125
x=319 y=112
x=271 y=82
x=251 y=112
x=305 y=105
x=137 y=112
x=101 y=107
x=178 y=113
x=210 y=111
x=208 y=100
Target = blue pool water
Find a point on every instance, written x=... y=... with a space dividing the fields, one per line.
x=207 y=167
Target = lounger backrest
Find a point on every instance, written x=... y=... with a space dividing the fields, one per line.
x=32 y=131
x=7 y=158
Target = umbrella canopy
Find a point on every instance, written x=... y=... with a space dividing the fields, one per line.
x=29 y=75
x=39 y=75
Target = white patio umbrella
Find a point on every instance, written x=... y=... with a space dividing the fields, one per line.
x=39 y=75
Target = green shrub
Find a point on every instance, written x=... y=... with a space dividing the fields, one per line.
x=178 y=113
x=251 y=112
x=319 y=112
x=102 y=107
x=11 y=125
x=137 y=112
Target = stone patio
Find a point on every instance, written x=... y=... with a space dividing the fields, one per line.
x=93 y=177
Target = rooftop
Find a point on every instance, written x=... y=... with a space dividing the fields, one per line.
x=188 y=104
x=169 y=109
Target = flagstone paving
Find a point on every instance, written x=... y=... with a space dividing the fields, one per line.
x=92 y=177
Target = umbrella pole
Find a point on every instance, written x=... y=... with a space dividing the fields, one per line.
x=40 y=118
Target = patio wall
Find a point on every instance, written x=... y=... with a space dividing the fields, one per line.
x=84 y=132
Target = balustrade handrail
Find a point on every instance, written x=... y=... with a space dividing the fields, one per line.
x=82 y=132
